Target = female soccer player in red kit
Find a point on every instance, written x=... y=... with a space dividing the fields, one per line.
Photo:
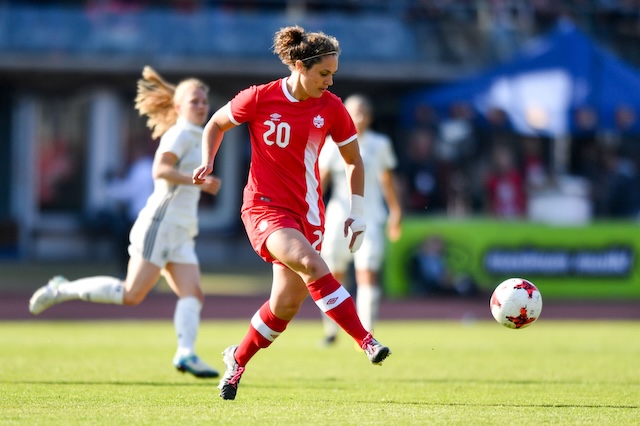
x=283 y=213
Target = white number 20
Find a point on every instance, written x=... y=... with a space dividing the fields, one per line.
x=317 y=242
x=281 y=132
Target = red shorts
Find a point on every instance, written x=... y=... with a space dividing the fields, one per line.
x=262 y=221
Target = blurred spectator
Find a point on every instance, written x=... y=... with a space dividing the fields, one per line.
x=584 y=159
x=505 y=21
x=425 y=18
x=546 y=13
x=629 y=132
x=494 y=129
x=537 y=174
x=426 y=118
x=498 y=126
x=57 y=165
x=459 y=200
x=505 y=187
x=458 y=141
x=625 y=118
x=430 y=274
x=617 y=193
x=421 y=174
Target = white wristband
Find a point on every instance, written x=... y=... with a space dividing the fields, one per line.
x=357 y=205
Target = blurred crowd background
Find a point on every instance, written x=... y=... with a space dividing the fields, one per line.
x=69 y=135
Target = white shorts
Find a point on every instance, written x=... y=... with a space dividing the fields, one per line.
x=335 y=249
x=161 y=243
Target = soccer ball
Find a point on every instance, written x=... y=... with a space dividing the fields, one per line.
x=516 y=303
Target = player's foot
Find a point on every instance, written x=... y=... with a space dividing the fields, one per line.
x=229 y=383
x=328 y=341
x=46 y=296
x=194 y=365
x=376 y=352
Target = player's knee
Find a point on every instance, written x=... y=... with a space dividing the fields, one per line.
x=313 y=266
x=133 y=298
x=196 y=293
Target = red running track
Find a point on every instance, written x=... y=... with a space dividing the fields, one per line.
x=14 y=306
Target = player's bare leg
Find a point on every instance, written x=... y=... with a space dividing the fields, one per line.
x=141 y=278
x=184 y=280
x=291 y=248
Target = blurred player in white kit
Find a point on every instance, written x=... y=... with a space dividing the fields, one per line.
x=162 y=239
x=382 y=206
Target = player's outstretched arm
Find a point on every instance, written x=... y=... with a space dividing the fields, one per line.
x=211 y=140
x=392 y=199
x=355 y=176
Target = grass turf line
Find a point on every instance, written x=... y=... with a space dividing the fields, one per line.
x=120 y=372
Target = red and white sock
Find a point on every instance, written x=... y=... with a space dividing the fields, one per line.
x=335 y=301
x=265 y=328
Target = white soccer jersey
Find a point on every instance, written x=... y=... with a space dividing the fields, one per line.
x=178 y=204
x=377 y=155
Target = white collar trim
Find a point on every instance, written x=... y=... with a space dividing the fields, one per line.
x=285 y=90
x=189 y=125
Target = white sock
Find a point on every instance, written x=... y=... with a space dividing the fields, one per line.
x=329 y=326
x=367 y=302
x=100 y=289
x=186 y=320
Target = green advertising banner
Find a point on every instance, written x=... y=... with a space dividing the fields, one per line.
x=582 y=262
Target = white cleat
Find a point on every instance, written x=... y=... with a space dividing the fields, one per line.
x=231 y=379
x=194 y=365
x=45 y=297
x=376 y=352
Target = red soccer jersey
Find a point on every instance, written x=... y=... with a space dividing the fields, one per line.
x=286 y=137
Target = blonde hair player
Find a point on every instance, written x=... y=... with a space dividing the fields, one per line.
x=382 y=206
x=289 y=120
x=162 y=237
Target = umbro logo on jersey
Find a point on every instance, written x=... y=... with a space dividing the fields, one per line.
x=275 y=117
x=332 y=301
x=318 y=121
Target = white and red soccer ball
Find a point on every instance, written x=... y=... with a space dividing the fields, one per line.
x=516 y=303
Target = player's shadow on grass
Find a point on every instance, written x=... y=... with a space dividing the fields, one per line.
x=473 y=404
x=498 y=381
x=271 y=387
x=108 y=383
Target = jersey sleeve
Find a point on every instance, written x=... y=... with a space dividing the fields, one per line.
x=174 y=142
x=242 y=107
x=343 y=130
x=389 y=159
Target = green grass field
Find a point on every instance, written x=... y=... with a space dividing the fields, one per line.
x=120 y=373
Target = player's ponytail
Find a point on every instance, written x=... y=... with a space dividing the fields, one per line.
x=155 y=100
x=293 y=44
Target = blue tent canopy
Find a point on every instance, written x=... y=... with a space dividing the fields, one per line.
x=544 y=85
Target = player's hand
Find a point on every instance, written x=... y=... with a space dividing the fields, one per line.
x=357 y=227
x=211 y=185
x=200 y=174
x=394 y=231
